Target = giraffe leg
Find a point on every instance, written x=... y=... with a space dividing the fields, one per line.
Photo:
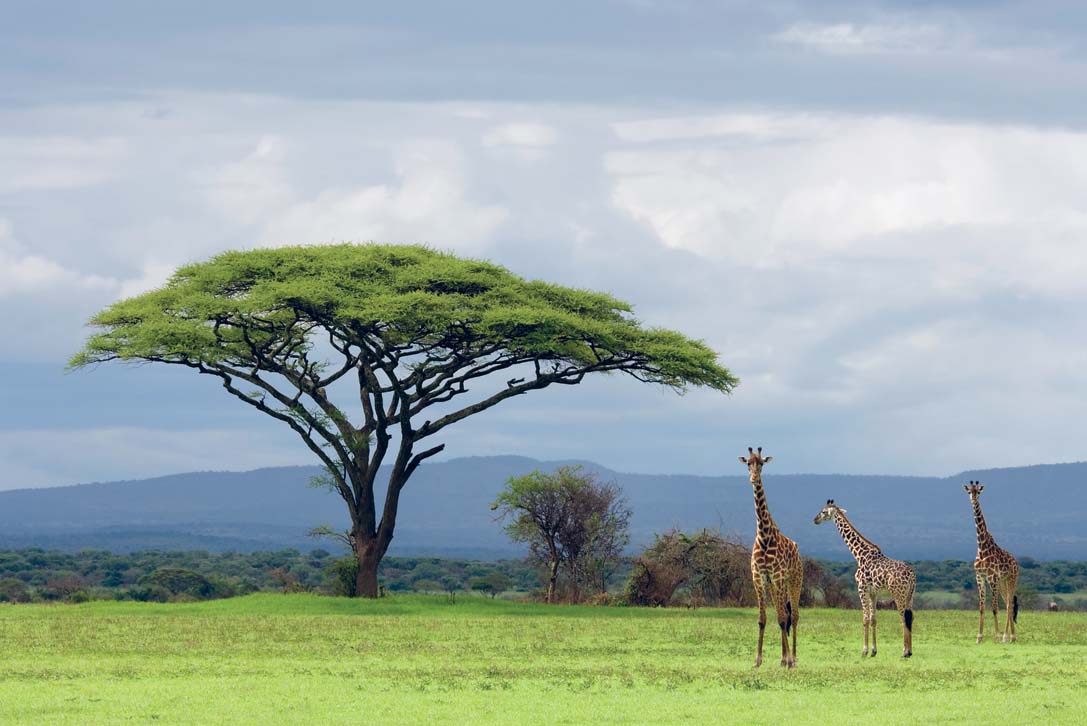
x=994 y=593
x=760 y=595
x=1009 y=621
x=1013 y=606
x=780 y=598
x=907 y=616
x=905 y=628
x=981 y=606
x=794 y=599
x=866 y=614
x=872 y=609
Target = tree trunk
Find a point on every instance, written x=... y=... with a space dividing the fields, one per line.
x=553 y=579
x=366 y=575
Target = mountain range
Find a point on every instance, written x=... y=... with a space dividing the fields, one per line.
x=1036 y=511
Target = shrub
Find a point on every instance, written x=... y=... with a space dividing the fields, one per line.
x=12 y=590
x=710 y=568
x=179 y=581
x=79 y=596
x=341 y=574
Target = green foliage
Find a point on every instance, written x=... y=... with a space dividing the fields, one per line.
x=178 y=581
x=210 y=312
x=342 y=574
x=491 y=584
x=13 y=590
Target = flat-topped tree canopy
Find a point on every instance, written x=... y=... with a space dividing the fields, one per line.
x=413 y=325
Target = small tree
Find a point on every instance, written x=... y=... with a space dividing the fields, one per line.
x=499 y=582
x=491 y=584
x=566 y=518
x=369 y=351
x=482 y=584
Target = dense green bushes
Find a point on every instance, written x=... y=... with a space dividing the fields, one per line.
x=35 y=575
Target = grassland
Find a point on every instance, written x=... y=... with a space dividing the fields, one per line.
x=416 y=659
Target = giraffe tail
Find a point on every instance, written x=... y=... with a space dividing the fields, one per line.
x=1015 y=609
x=908 y=615
x=788 y=617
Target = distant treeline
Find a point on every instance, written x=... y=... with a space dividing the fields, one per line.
x=34 y=575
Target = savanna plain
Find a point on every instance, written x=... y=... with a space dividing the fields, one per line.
x=409 y=659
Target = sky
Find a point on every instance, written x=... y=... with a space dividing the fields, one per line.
x=874 y=212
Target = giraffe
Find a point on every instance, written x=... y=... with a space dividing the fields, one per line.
x=775 y=565
x=997 y=567
x=875 y=571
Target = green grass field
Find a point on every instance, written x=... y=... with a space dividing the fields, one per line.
x=416 y=659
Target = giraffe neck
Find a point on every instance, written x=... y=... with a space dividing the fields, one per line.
x=766 y=526
x=984 y=538
x=859 y=545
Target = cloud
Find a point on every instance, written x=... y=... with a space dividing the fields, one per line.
x=809 y=188
x=527 y=141
x=425 y=202
x=865 y=38
x=891 y=282
x=37 y=162
x=25 y=273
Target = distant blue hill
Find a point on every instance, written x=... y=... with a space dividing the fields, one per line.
x=1038 y=511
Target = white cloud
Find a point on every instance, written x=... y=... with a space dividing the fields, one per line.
x=250 y=189
x=426 y=201
x=527 y=141
x=882 y=187
x=520 y=134
x=35 y=162
x=23 y=273
x=860 y=38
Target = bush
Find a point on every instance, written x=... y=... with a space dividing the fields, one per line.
x=79 y=596
x=61 y=588
x=341 y=575
x=705 y=569
x=150 y=593
x=179 y=581
x=12 y=590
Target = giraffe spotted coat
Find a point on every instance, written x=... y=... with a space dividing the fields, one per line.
x=775 y=566
x=876 y=572
x=994 y=567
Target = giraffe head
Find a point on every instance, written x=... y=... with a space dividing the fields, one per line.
x=828 y=512
x=973 y=489
x=755 y=461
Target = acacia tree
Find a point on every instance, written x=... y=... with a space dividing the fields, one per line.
x=370 y=351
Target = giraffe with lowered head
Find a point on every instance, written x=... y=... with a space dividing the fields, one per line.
x=875 y=572
x=997 y=567
x=775 y=565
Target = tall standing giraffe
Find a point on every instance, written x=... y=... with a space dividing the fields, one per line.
x=775 y=565
x=875 y=571
x=997 y=567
